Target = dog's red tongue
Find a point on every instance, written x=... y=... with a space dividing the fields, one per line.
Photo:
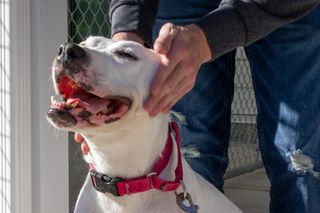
x=74 y=95
x=68 y=87
x=77 y=100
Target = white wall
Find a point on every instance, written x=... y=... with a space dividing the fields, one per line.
x=39 y=154
x=50 y=148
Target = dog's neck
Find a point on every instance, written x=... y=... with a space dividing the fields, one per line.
x=130 y=151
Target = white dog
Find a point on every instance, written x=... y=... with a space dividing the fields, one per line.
x=135 y=159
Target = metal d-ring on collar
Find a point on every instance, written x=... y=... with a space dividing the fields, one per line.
x=184 y=200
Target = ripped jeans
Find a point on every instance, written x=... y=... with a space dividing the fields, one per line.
x=285 y=68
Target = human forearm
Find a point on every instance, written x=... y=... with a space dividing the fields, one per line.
x=241 y=22
x=133 y=16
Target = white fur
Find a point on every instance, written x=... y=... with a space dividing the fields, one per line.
x=129 y=147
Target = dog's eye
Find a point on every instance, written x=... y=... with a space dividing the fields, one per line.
x=125 y=55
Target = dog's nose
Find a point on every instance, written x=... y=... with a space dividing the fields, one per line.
x=68 y=52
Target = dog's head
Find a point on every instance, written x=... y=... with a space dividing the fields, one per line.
x=103 y=84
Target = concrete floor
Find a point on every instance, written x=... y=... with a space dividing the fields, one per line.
x=250 y=192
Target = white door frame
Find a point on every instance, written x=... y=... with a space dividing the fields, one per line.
x=21 y=106
x=40 y=154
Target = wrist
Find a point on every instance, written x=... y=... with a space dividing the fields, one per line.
x=200 y=38
x=131 y=36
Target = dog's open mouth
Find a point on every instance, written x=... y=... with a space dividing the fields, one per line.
x=81 y=106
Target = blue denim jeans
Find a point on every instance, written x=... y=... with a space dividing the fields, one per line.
x=285 y=69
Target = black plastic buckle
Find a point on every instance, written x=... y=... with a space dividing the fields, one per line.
x=104 y=183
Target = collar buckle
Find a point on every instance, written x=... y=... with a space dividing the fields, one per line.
x=104 y=183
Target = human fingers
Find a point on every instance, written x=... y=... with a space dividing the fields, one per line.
x=170 y=72
x=195 y=51
x=152 y=103
x=183 y=75
x=159 y=87
x=170 y=99
x=85 y=148
x=166 y=36
x=165 y=46
x=78 y=138
x=188 y=51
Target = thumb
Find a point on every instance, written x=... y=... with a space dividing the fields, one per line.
x=166 y=36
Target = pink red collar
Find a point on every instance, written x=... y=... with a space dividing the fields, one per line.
x=119 y=187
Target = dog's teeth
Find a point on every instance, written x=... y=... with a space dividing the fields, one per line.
x=69 y=101
x=104 y=110
x=99 y=114
x=74 y=104
x=54 y=102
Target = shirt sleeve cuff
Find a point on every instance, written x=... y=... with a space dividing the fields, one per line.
x=128 y=18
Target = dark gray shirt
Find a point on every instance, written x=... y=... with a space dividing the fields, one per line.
x=234 y=23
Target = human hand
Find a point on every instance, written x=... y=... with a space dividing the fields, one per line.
x=183 y=50
x=84 y=146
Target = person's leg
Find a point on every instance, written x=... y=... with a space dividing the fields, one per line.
x=286 y=74
x=207 y=107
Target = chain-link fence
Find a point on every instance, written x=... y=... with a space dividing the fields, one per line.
x=90 y=17
x=244 y=152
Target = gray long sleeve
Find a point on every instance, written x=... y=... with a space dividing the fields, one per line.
x=234 y=23
x=241 y=22
x=133 y=15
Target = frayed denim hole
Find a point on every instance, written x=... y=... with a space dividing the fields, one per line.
x=302 y=164
x=190 y=151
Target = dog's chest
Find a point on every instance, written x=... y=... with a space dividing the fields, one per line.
x=152 y=201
